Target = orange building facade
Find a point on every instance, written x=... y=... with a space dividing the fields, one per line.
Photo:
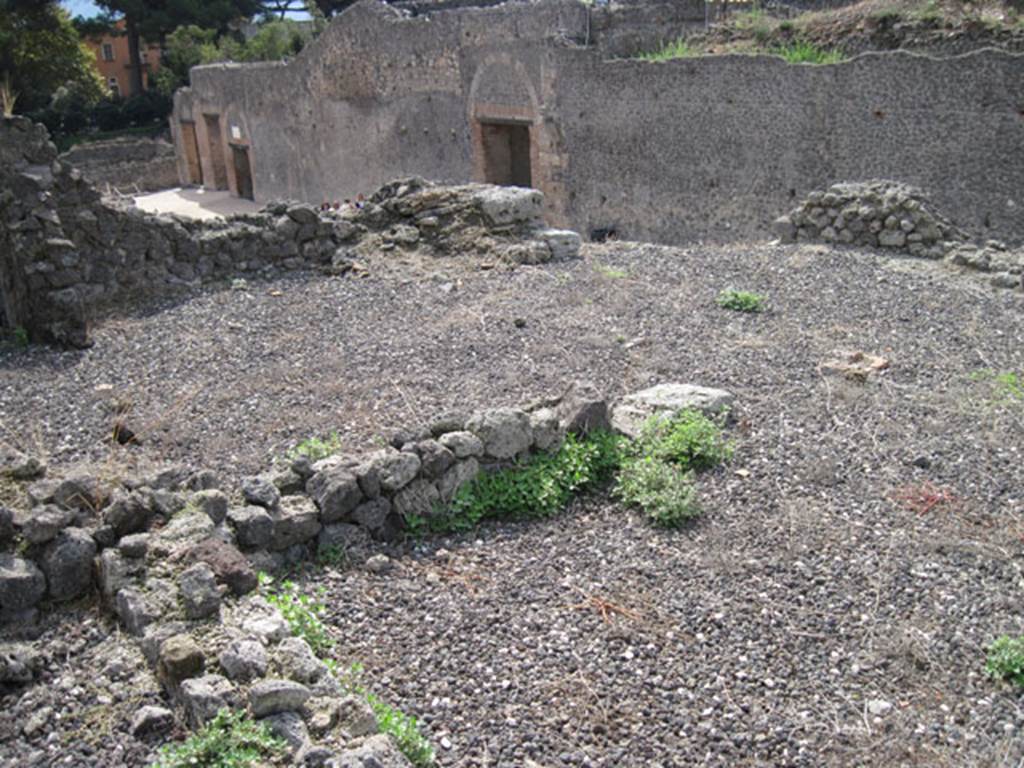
x=114 y=63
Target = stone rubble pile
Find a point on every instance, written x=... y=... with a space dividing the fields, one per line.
x=896 y=217
x=67 y=253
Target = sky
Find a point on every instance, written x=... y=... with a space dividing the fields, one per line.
x=85 y=8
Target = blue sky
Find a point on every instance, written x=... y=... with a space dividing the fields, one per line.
x=85 y=8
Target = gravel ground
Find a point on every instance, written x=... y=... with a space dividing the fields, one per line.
x=807 y=619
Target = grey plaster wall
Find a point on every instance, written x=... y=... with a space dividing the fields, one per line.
x=716 y=147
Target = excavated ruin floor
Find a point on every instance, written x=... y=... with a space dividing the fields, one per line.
x=811 y=617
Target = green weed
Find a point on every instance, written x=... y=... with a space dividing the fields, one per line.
x=610 y=272
x=1006 y=660
x=20 y=335
x=802 y=52
x=741 y=301
x=664 y=492
x=302 y=612
x=229 y=740
x=676 y=49
x=540 y=487
x=1007 y=386
x=332 y=557
x=690 y=440
x=315 y=448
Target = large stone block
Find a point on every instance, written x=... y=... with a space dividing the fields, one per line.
x=504 y=432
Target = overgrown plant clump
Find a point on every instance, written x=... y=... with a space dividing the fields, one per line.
x=316 y=448
x=676 y=49
x=741 y=301
x=664 y=492
x=302 y=612
x=690 y=440
x=539 y=487
x=1006 y=660
x=803 y=52
x=229 y=740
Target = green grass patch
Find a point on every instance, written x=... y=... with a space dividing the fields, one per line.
x=741 y=301
x=664 y=492
x=1007 y=386
x=302 y=612
x=316 y=448
x=1006 y=660
x=676 y=49
x=803 y=52
x=539 y=487
x=612 y=273
x=229 y=740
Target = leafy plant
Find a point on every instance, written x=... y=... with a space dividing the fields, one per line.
x=664 y=492
x=540 y=487
x=229 y=740
x=1006 y=659
x=315 y=448
x=301 y=611
x=676 y=49
x=740 y=301
x=803 y=52
x=404 y=728
x=1008 y=386
x=332 y=557
x=20 y=337
x=690 y=440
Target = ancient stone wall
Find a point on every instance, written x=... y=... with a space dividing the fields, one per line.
x=127 y=165
x=712 y=147
x=68 y=254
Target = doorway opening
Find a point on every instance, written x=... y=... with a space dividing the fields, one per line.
x=506 y=151
x=243 y=171
x=191 y=145
x=217 y=162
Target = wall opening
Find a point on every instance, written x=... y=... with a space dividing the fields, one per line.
x=191 y=145
x=506 y=154
x=243 y=171
x=216 y=143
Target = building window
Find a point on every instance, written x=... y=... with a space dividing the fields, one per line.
x=115 y=88
x=145 y=57
x=108 y=52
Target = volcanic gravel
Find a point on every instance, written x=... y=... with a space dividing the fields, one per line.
x=818 y=613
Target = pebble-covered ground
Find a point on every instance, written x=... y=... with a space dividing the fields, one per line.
x=819 y=613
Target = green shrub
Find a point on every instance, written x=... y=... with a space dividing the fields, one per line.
x=1006 y=660
x=803 y=52
x=301 y=612
x=690 y=440
x=315 y=448
x=229 y=740
x=405 y=730
x=539 y=487
x=664 y=492
x=740 y=301
x=677 y=49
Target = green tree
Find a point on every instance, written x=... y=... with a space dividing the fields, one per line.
x=40 y=52
x=156 y=19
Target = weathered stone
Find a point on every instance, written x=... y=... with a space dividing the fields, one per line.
x=296 y=521
x=253 y=526
x=269 y=697
x=396 y=469
x=509 y=205
x=336 y=493
x=373 y=514
x=582 y=409
x=83 y=492
x=296 y=661
x=199 y=592
x=288 y=481
x=379 y=563
x=343 y=536
x=18 y=663
x=462 y=444
x=563 y=243
x=22 y=584
x=462 y=473
x=452 y=421
x=668 y=401
x=166 y=503
x=135 y=545
x=243 y=660
x=229 y=565
x=204 y=696
x=128 y=513
x=505 y=432
x=260 y=491
x=114 y=572
x=892 y=238
x=784 y=229
x=179 y=659
x=356 y=718
x=290 y=728
x=137 y=610
x=213 y=503
x=21 y=466
x=435 y=459
x=6 y=526
x=68 y=564
x=547 y=435
x=378 y=751
x=152 y=721
x=419 y=498
x=39 y=525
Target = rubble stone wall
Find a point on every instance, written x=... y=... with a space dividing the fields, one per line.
x=127 y=165
x=68 y=254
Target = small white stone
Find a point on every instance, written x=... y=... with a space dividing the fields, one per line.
x=879 y=707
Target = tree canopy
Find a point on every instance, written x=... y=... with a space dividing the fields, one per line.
x=41 y=52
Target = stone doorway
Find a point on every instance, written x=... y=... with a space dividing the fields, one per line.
x=191 y=146
x=506 y=154
x=216 y=145
x=243 y=171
